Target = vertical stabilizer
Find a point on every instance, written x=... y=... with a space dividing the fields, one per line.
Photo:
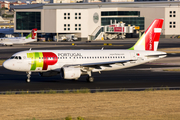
x=150 y=39
x=32 y=35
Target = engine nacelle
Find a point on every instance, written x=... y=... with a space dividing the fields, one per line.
x=70 y=73
x=48 y=73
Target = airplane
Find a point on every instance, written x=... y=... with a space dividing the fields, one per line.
x=71 y=64
x=19 y=40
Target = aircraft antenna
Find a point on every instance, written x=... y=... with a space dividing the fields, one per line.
x=102 y=48
x=29 y=49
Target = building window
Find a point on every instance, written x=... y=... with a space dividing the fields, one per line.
x=172 y=24
x=77 y=15
x=28 y=20
x=120 y=13
x=172 y=13
x=67 y=15
x=77 y=26
x=66 y=26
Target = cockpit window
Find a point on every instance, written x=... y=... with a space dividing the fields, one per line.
x=12 y=57
x=16 y=57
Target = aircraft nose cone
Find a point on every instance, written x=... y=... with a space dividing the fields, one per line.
x=6 y=64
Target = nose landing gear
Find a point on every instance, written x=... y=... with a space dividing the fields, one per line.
x=28 y=77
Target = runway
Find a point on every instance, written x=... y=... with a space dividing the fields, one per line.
x=126 y=78
x=142 y=76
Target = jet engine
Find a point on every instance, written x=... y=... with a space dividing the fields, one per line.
x=48 y=73
x=70 y=73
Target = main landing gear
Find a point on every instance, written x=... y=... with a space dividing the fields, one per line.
x=28 y=77
x=89 y=77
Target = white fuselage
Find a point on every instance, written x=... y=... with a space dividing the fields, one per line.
x=34 y=61
x=16 y=40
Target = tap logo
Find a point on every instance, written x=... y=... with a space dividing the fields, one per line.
x=95 y=17
x=42 y=59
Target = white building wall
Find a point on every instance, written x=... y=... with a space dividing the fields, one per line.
x=49 y=21
x=85 y=22
x=172 y=18
x=92 y=25
x=151 y=15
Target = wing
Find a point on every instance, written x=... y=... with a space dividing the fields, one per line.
x=95 y=65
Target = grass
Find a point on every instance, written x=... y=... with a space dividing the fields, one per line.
x=171 y=70
x=149 y=104
x=1 y=62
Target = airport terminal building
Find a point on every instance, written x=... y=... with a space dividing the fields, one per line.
x=87 y=19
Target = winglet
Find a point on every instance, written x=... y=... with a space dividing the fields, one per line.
x=150 y=39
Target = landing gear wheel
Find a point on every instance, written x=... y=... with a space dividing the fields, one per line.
x=28 y=80
x=28 y=77
x=90 y=79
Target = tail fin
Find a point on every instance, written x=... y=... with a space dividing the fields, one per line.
x=33 y=33
x=150 y=39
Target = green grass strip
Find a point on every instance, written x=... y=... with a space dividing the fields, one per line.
x=1 y=62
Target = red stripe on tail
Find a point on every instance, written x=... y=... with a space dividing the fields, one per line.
x=151 y=35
